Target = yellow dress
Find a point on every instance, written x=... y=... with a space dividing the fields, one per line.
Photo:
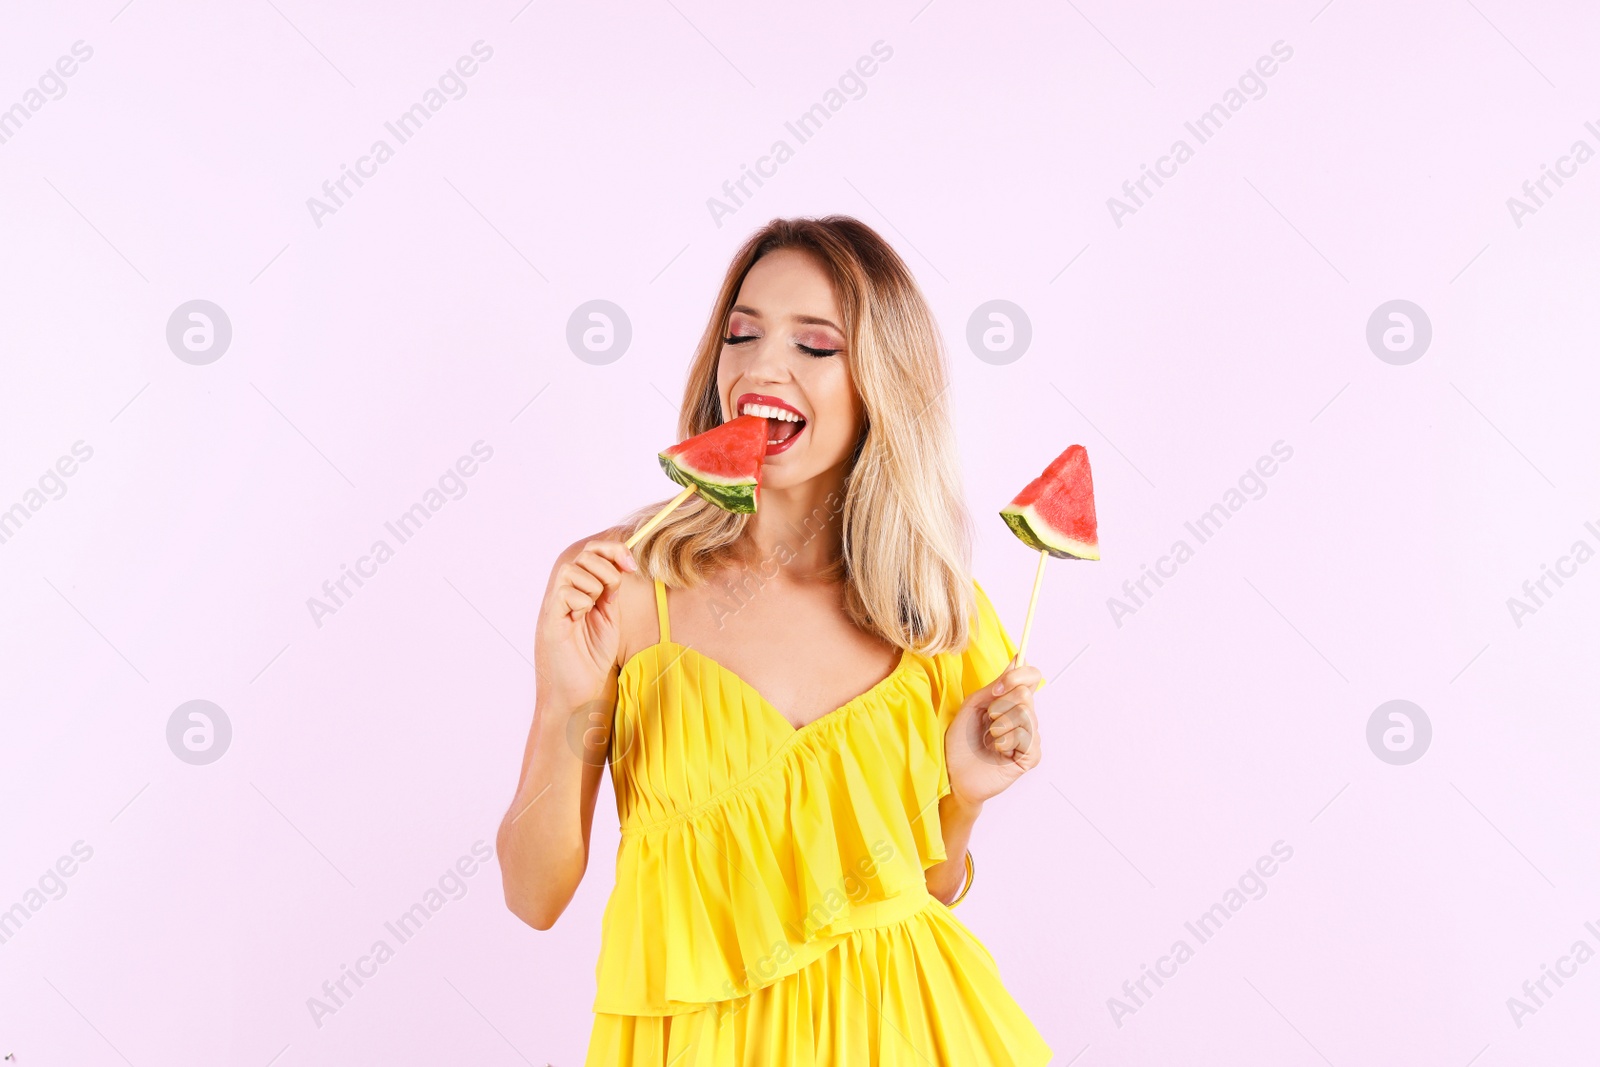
x=770 y=906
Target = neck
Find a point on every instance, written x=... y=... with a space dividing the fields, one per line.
x=800 y=527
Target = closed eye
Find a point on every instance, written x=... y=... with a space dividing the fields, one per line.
x=820 y=353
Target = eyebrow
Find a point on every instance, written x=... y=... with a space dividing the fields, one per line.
x=810 y=320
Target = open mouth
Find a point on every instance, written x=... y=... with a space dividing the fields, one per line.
x=784 y=423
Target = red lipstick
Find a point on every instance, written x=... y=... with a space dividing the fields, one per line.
x=781 y=433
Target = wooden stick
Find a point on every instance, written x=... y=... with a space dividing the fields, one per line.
x=638 y=536
x=1033 y=602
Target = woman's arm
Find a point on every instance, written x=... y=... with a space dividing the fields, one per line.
x=543 y=841
x=992 y=741
x=956 y=819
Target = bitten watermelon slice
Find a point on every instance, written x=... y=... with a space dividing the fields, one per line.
x=1055 y=513
x=723 y=464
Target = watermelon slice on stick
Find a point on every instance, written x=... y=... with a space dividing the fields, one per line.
x=1055 y=515
x=723 y=465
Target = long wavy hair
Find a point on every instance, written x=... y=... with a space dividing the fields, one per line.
x=906 y=532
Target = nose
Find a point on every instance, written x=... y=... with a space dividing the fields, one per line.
x=767 y=364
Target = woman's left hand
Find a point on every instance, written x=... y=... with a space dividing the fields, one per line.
x=994 y=738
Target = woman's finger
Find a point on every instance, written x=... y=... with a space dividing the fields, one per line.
x=1012 y=699
x=574 y=602
x=580 y=579
x=1025 y=675
x=615 y=551
x=1009 y=720
x=600 y=566
x=1020 y=738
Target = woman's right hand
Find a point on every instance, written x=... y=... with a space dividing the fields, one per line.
x=579 y=632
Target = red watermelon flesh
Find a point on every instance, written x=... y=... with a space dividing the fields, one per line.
x=1055 y=513
x=723 y=464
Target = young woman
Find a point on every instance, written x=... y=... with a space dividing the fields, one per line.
x=804 y=709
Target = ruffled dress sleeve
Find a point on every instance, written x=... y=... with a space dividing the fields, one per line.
x=989 y=650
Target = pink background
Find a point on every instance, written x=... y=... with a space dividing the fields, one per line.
x=429 y=312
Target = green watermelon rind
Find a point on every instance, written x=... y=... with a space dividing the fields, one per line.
x=1026 y=524
x=736 y=496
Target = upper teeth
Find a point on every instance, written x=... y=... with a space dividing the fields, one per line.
x=768 y=412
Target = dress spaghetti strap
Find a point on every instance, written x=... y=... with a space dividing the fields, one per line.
x=661 y=611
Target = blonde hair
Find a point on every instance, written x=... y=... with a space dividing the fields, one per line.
x=906 y=532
